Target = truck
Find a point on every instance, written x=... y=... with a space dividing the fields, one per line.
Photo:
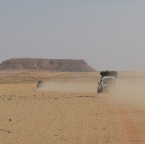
x=108 y=79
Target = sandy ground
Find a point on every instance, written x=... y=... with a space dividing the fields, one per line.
x=31 y=116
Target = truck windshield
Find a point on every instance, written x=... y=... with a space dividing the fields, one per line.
x=105 y=81
x=109 y=81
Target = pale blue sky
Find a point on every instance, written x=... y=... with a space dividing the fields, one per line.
x=108 y=34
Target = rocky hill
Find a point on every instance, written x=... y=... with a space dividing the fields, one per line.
x=61 y=65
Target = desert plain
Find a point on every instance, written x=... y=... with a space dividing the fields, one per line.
x=68 y=110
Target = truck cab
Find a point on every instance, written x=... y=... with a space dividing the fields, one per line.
x=108 y=80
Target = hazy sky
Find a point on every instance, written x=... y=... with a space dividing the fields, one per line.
x=108 y=34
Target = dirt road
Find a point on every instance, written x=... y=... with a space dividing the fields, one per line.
x=44 y=118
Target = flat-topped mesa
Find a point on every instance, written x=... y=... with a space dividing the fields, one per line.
x=60 y=65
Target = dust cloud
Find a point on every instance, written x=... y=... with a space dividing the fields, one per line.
x=69 y=86
x=130 y=91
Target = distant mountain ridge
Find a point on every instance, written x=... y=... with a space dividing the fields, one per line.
x=60 y=65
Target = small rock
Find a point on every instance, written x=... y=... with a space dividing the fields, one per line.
x=10 y=120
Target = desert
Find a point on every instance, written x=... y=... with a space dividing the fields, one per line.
x=72 y=72
x=68 y=116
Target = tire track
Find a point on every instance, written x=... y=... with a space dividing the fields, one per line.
x=130 y=127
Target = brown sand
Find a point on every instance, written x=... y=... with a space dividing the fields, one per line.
x=30 y=116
